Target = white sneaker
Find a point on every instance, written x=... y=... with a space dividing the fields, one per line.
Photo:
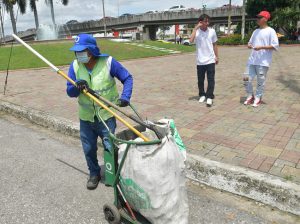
x=249 y=100
x=209 y=102
x=257 y=102
x=202 y=99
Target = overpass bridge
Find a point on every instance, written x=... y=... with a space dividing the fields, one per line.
x=148 y=24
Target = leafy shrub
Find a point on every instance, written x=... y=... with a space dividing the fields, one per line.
x=284 y=41
x=234 y=39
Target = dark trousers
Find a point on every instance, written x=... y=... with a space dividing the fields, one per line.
x=209 y=70
x=89 y=133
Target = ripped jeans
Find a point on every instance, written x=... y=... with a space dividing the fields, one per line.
x=260 y=72
x=89 y=133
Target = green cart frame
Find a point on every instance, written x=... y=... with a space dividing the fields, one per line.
x=118 y=212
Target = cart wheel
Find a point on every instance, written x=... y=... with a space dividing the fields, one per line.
x=112 y=214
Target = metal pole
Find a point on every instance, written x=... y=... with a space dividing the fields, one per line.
x=118 y=8
x=174 y=34
x=229 y=18
x=243 y=19
x=104 y=19
x=1 y=20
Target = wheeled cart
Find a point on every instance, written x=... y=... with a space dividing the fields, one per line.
x=120 y=211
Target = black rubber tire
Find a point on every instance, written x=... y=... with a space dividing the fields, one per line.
x=112 y=214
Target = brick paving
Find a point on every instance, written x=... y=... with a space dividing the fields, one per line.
x=266 y=139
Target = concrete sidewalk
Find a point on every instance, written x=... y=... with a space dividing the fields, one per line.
x=266 y=139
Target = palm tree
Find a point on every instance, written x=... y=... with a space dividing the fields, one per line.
x=9 y=6
x=50 y=2
x=33 y=8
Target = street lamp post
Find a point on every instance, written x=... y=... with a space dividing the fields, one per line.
x=1 y=20
x=118 y=8
x=243 y=19
x=104 y=19
x=229 y=18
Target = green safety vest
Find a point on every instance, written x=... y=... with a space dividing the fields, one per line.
x=100 y=81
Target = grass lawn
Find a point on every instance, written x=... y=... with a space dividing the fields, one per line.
x=172 y=46
x=59 y=54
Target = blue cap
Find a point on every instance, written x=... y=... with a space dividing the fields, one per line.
x=86 y=41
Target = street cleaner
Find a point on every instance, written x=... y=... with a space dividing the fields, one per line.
x=97 y=71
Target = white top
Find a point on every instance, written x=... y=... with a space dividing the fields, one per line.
x=204 y=46
x=263 y=37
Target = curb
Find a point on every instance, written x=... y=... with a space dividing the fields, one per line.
x=41 y=118
x=258 y=186
x=261 y=187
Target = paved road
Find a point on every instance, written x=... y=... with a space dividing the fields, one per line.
x=43 y=178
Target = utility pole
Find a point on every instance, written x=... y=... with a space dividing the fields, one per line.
x=104 y=19
x=2 y=36
x=118 y=8
x=229 y=18
x=243 y=19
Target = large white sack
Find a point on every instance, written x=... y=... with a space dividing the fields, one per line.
x=153 y=181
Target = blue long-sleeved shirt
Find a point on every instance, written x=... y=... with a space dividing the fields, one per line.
x=116 y=70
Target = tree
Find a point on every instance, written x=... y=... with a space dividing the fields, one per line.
x=229 y=18
x=9 y=6
x=250 y=26
x=33 y=8
x=253 y=7
x=163 y=30
x=285 y=13
x=50 y=3
x=286 y=18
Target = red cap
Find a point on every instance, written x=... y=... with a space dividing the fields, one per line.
x=264 y=14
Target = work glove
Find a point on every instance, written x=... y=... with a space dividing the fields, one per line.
x=122 y=103
x=81 y=84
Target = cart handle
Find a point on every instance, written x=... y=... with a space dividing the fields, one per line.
x=157 y=141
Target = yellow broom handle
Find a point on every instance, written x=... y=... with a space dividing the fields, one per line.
x=95 y=99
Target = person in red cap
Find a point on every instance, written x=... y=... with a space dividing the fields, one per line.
x=263 y=42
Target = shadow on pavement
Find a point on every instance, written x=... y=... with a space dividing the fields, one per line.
x=292 y=84
x=83 y=172
x=285 y=77
x=195 y=98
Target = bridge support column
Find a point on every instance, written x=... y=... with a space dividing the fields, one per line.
x=149 y=32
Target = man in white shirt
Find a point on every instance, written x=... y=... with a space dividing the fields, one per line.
x=263 y=42
x=207 y=57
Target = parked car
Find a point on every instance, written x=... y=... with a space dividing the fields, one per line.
x=176 y=8
x=192 y=9
x=228 y=5
x=151 y=12
x=126 y=14
x=186 y=42
x=107 y=18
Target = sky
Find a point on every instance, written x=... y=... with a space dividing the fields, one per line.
x=83 y=10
